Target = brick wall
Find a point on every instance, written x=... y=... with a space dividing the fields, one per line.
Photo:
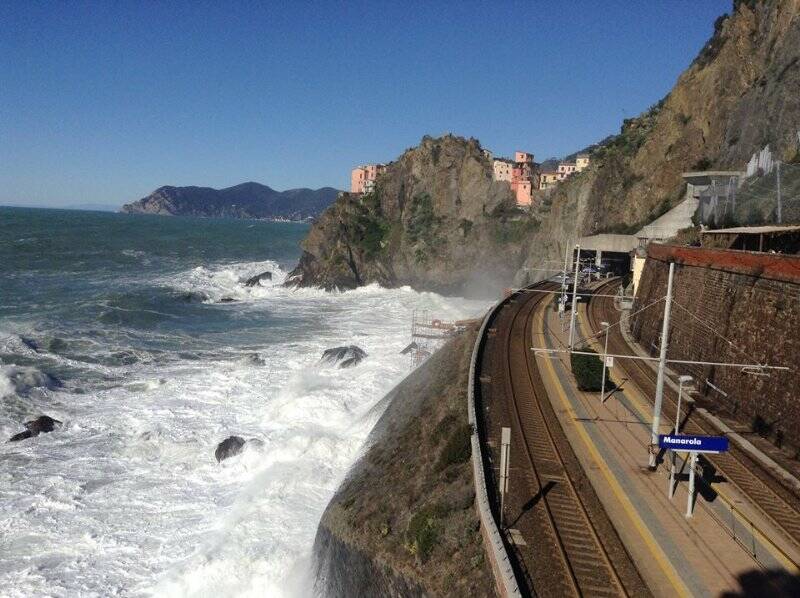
x=730 y=306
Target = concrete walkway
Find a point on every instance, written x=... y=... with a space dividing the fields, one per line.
x=700 y=556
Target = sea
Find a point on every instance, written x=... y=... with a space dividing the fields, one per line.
x=138 y=333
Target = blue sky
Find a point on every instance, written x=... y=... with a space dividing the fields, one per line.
x=102 y=102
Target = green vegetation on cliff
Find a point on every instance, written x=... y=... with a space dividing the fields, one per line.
x=408 y=505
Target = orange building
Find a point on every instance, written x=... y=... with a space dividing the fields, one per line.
x=523 y=157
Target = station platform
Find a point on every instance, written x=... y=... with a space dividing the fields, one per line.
x=714 y=552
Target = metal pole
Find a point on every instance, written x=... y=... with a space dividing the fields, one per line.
x=778 y=171
x=671 y=491
x=662 y=362
x=605 y=351
x=574 y=297
x=690 y=498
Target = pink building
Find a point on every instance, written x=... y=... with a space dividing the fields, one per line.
x=522 y=192
x=522 y=178
x=520 y=175
x=523 y=157
x=362 y=178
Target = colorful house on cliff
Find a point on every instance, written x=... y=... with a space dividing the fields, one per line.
x=520 y=173
x=362 y=178
x=548 y=179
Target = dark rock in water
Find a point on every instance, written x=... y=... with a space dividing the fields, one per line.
x=193 y=297
x=57 y=345
x=256 y=280
x=253 y=359
x=37 y=426
x=44 y=423
x=227 y=300
x=229 y=447
x=345 y=356
x=30 y=343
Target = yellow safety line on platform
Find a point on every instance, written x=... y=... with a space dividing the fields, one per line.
x=638 y=401
x=664 y=563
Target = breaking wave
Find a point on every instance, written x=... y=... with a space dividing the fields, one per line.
x=126 y=497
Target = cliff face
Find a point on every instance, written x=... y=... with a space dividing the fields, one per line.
x=404 y=522
x=438 y=222
x=248 y=200
x=738 y=95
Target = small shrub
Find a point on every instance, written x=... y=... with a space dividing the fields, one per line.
x=443 y=427
x=458 y=447
x=588 y=371
x=423 y=530
x=702 y=164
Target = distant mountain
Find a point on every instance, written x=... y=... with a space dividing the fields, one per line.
x=248 y=200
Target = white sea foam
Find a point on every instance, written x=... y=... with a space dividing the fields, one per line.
x=126 y=497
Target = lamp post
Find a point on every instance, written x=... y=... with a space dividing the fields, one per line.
x=605 y=326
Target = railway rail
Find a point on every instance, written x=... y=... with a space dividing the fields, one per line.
x=578 y=551
x=775 y=502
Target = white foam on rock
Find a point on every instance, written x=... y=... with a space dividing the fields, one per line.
x=127 y=498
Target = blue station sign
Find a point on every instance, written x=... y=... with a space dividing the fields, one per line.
x=696 y=444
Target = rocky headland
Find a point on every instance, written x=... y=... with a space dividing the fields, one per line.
x=248 y=200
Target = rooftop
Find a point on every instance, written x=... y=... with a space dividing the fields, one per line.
x=753 y=230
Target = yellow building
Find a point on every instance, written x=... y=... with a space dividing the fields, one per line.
x=548 y=179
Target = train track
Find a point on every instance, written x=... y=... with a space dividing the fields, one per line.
x=573 y=528
x=767 y=495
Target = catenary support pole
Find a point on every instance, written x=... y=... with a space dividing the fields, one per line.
x=574 y=298
x=778 y=181
x=662 y=362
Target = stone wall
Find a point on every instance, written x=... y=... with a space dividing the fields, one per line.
x=730 y=306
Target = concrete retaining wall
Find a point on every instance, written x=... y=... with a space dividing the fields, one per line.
x=495 y=548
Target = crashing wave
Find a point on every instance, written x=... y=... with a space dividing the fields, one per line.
x=20 y=380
